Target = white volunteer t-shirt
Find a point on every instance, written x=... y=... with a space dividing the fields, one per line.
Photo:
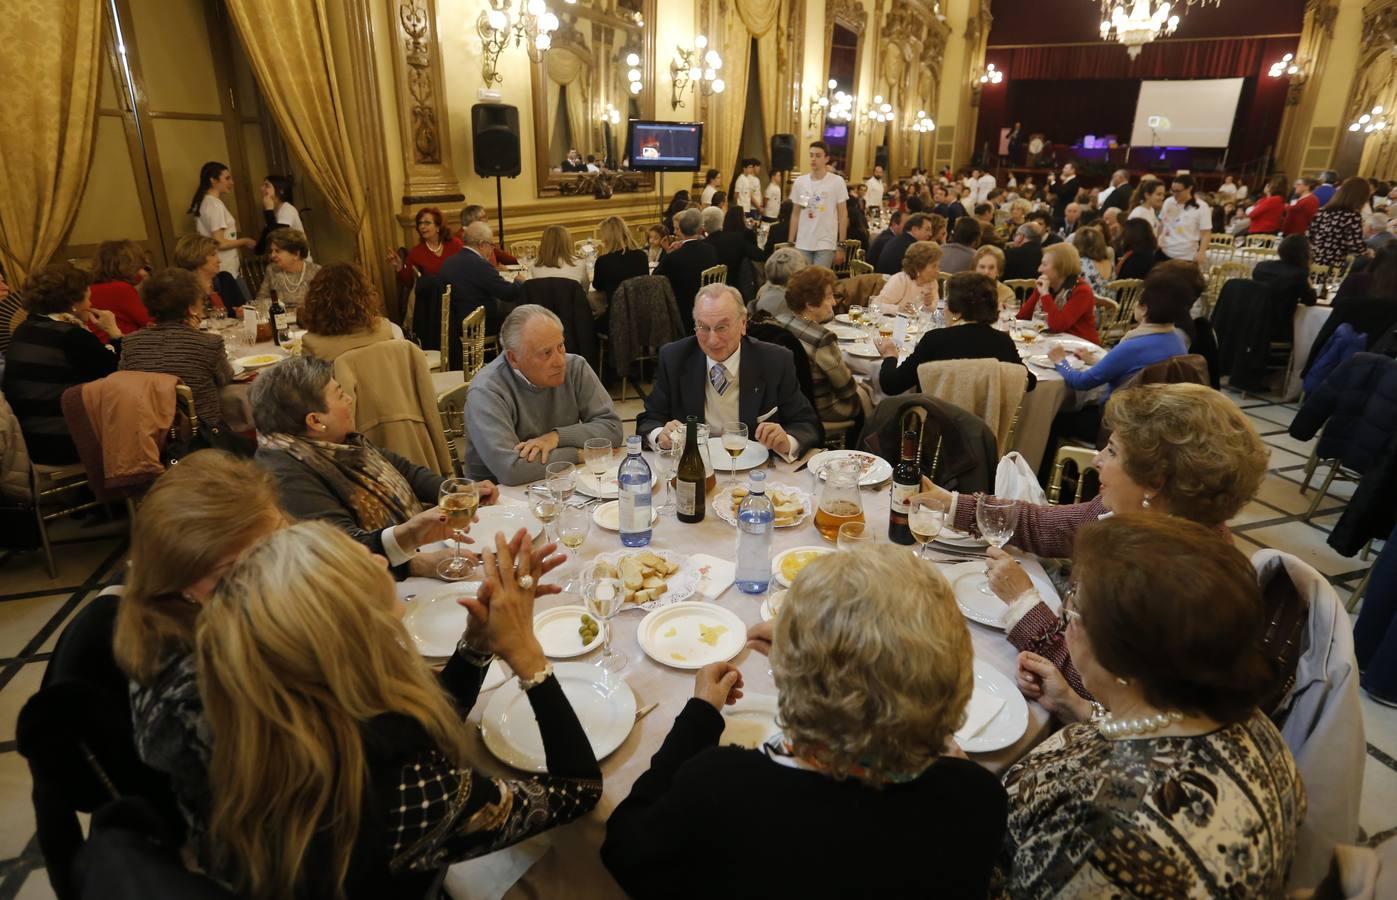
x=819 y=213
x=706 y=197
x=1144 y=212
x=874 y=199
x=773 y=201
x=214 y=216
x=290 y=216
x=1181 y=228
x=748 y=190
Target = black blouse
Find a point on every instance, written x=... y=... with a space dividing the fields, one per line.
x=972 y=340
x=615 y=267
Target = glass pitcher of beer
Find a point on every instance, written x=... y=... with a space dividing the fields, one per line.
x=840 y=501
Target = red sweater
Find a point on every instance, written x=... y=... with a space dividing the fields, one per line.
x=426 y=260
x=121 y=298
x=1298 y=215
x=1075 y=317
x=1266 y=215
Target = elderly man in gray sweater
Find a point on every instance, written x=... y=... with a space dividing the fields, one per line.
x=535 y=403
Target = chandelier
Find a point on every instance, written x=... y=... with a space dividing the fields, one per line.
x=1137 y=22
x=1369 y=122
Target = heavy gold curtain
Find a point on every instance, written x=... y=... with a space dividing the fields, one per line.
x=48 y=114
x=573 y=73
x=754 y=19
x=288 y=44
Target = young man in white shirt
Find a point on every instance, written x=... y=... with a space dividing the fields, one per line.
x=1185 y=223
x=821 y=220
x=747 y=188
x=984 y=183
x=874 y=199
x=772 y=209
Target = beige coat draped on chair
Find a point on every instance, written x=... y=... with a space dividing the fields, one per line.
x=395 y=405
x=989 y=388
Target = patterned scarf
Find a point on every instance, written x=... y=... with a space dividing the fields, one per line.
x=363 y=479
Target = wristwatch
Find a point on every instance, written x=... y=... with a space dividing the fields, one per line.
x=478 y=658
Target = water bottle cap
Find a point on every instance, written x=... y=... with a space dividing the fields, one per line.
x=633 y=444
x=756 y=481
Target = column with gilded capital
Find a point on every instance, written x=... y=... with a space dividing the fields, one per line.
x=429 y=178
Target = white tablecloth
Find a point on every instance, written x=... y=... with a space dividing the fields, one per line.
x=565 y=861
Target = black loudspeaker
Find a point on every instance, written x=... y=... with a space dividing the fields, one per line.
x=783 y=152
x=495 y=127
x=880 y=157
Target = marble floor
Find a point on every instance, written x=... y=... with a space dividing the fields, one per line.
x=34 y=609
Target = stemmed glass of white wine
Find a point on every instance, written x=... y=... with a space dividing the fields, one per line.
x=596 y=456
x=573 y=524
x=459 y=498
x=603 y=598
x=545 y=507
x=997 y=519
x=561 y=478
x=734 y=441
x=925 y=518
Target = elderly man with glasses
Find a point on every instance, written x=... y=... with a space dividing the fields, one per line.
x=720 y=375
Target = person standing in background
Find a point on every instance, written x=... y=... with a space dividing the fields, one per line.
x=1328 y=184
x=822 y=222
x=212 y=219
x=710 y=187
x=874 y=198
x=772 y=208
x=1185 y=223
x=278 y=209
x=1118 y=194
x=1299 y=213
x=747 y=188
x=1065 y=191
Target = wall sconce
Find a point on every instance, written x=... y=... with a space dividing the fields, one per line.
x=1290 y=67
x=923 y=123
x=697 y=67
x=1369 y=122
x=836 y=106
x=633 y=76
x=990 y=75
x=611 y=114
x=881 y=113
x=532 y=26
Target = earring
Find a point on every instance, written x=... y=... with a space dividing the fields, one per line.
x=1122 y=682
x=1145 y=503
x=323 y=427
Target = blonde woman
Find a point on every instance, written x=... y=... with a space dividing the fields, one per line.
x=620 y=258
x=1062 y=295
x=339 y=760
x=1098 y=266
x=556 y=258
x=989 y=261
x=873 y=665
x=916 y=286
x=199 y=255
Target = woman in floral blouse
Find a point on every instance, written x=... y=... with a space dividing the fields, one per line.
x=1336 y=231
x=1174 y=785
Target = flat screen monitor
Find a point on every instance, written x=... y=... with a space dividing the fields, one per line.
x=665 y=146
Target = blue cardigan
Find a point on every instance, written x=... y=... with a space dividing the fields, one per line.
x=1124 y=360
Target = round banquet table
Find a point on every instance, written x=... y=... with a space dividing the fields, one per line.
x=565 y=861
x=1039 y=407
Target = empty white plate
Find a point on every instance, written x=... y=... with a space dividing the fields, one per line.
x=556 y=630
x=436 y=623
x=750 y=721
x=975 y=605
x=862 y=349
x=608 y=515
x=1007 y=725
x=605 y=487
x=691 y=635
x=845 y=332
x=753 y=455
x=503 y=517
x=603 y=702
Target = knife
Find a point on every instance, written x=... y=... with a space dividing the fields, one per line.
x=645 y=711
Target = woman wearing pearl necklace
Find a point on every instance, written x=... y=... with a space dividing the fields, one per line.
x=291 y=272
x=1173 y=784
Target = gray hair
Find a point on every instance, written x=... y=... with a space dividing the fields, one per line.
x=689 y=222
x=712 y=219
x=513 y=326
x=784 y=263
x=722 y=290
x=478 y=232
x=1376 y=220
x=1029 y=232
x=283 y=395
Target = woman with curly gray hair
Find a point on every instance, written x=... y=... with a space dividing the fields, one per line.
x=858 y=796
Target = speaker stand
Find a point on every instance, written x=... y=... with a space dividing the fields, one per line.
x=499 y=207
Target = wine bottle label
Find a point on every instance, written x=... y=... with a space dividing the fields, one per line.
x=902 y=497
x=688 y=499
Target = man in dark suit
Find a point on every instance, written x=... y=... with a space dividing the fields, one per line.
x=1046 y=231
x=1065 y=192
x=719 y=375
x=1021 y=260
x=683 y=265
x=915 y=228
x=887 y=234
x=476 y=282
x=1118 y=194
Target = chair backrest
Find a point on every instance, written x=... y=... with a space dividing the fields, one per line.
x=1083 y=459
x=988 y=388
x=1127 y=292
x=451 y=406
x=857 y=289
x=783 y=245
x=522 y=250
x=395 y=401
x=1106 y=312
x=1222 y=243
x=445 y=328
x=1022 y=288
x=851 y=251
x=473 y=342
x=860 y=267
x=12 y=312
x=957 y=449
x=1219 y=275
x=713 y=275
x=254 y=271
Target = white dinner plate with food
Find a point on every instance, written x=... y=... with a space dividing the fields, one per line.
x=750 y=721
x=966 y=579
x=436 y=622
x=997 y=715
x=962 y=539
x=863 y=350
x=603 y=702
x=606 y=486
x=873 y=469
x=786 y=566
x=259 y=360
x=752 y=455
x=772 y=605
x=845 y=332
x=651 y=578
x=608 y=515
x=792 y=506
x=559 y=632
x=691 y=635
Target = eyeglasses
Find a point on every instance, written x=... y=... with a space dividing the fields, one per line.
x=719 y=330
x=1069 y=613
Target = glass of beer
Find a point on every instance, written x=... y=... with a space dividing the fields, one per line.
x=459 y=498
x=734 y=441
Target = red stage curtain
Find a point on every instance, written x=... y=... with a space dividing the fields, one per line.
x=1167 y=59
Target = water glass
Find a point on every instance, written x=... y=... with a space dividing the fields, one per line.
x=853 y=535
x=997 y=519
x=666 y=464
x=596 y=456
x=561 y=478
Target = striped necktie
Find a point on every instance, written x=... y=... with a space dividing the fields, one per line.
x=719 y=378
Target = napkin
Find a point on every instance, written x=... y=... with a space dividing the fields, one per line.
x=982 y=709
x=715 y=575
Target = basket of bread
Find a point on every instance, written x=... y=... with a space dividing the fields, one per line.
x=649 y=578
x=790 y=505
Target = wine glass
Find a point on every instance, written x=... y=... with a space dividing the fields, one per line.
x=853 y=535
x=926 y=518
x=603 y=598
x=573 y=524
x=997 y=519
x=458 y=498
x=596 y=456
x=855 y=314
x=666 y=464
x=561 y=478
x=734 y=441
x=545 y=507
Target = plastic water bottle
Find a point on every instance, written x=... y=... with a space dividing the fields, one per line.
x=634 y=496
x=755 y=519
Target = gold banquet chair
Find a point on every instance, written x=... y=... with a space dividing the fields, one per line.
x=1083 y=459
x=1127 y=291
x=713 y=275
x=1218 y=275
x=524 y=250
x=859 y=267
x=1107 y=311
x=1022 y=287
x=473 y=342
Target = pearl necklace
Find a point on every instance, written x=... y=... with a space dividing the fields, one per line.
x=436 y=252
x=1111 y=727
x=298 y=280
